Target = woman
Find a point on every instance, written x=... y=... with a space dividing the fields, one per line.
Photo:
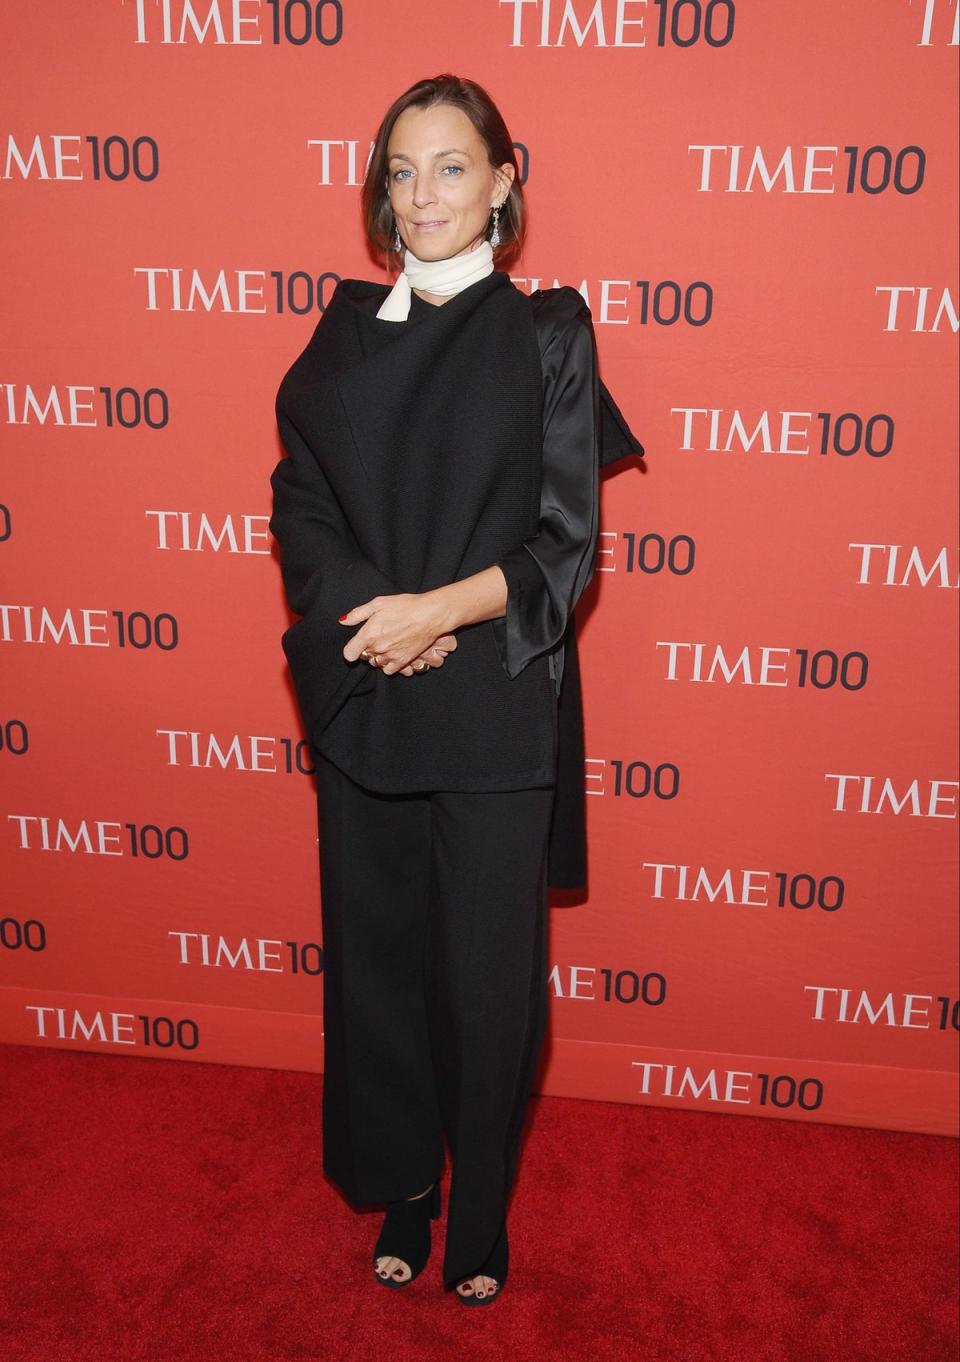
x=436 y=514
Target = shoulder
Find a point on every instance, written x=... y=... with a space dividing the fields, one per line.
x=359 y=288
x=560 y=315
x=348 y=296
x=360 y=292
x=564 y=324
x=332 y=338
x=562 y=303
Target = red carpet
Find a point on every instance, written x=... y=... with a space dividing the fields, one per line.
x=165 y=1212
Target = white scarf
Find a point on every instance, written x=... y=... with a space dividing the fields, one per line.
x=446 y=276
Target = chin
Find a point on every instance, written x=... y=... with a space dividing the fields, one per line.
x=432 y=246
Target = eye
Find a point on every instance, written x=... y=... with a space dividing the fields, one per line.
x=402 y=173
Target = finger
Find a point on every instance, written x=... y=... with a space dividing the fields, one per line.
x=360 y=612
x=354 y=647
x=392 y=667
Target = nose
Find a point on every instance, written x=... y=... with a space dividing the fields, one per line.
x=424 y=192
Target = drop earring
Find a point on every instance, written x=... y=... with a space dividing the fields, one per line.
x=495 y=238
x=397 y=243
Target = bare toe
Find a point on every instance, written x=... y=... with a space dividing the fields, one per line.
x=485 y=1287
x=394 y=1268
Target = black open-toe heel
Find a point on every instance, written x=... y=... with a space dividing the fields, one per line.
x=406 y=1234
x=495 y=1266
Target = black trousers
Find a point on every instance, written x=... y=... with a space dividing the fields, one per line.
x=434 y=908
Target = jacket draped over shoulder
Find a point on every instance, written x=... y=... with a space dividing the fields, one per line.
x=421 y=452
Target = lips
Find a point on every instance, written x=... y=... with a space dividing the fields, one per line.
x=432 y=222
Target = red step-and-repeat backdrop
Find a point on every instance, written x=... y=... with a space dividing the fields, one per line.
x=757 y=202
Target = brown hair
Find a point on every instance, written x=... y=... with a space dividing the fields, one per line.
x=486 y=118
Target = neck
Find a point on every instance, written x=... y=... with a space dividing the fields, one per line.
x=434 y=298
x=436 y=281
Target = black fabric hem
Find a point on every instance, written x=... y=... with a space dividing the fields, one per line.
x=417 y=782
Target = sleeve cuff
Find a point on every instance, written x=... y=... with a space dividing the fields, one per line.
x=527 y=610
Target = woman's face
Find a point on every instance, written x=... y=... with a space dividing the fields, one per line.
x=442 y=202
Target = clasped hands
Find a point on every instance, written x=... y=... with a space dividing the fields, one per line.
x=399 y=631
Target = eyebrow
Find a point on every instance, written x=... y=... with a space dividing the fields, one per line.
x=450 y=151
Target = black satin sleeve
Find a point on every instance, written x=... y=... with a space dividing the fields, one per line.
x=547 y=574
x=617 y=440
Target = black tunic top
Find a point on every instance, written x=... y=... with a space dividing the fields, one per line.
x=420 y=452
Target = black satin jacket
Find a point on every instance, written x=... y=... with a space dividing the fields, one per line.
x=421 y=452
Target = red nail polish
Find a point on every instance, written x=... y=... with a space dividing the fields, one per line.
x=341 y=618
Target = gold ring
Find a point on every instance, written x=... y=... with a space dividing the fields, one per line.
x=422 y=667
x=376 y=659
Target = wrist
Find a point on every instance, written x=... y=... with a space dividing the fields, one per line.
x=446 y=606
